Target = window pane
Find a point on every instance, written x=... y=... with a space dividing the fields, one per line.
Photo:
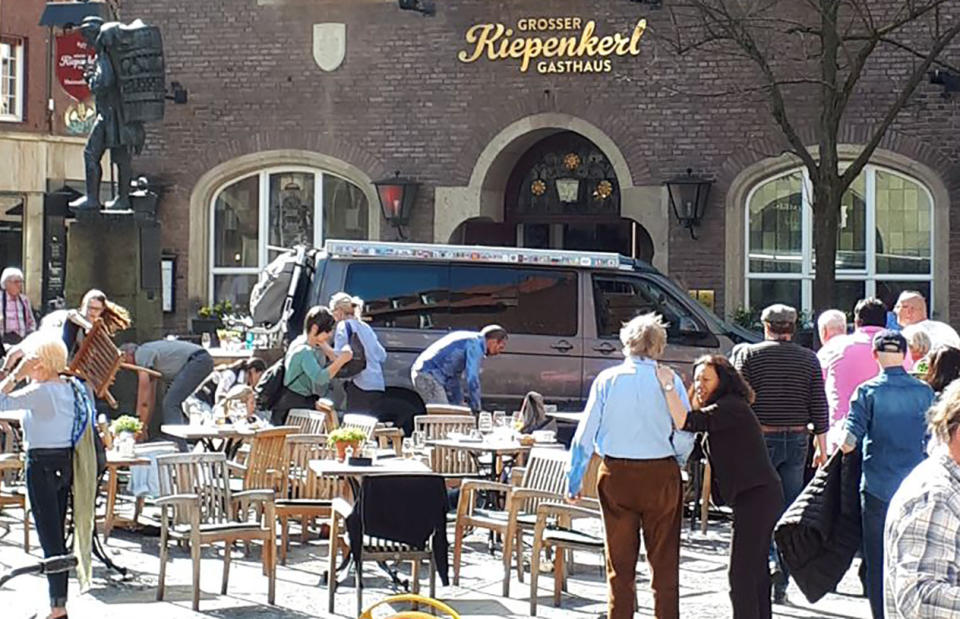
x=775 y=212
x=344 y=209
x=236 y=288
x=845 y=296
x=852 y=229
x=529 y=301
x=291 y=214
x=619 y=299
x=401 y=295
x=903 y=225
x=889 y=291
x=236 y=224
x=764 y=292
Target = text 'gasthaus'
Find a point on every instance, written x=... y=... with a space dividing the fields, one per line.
x=579 y=50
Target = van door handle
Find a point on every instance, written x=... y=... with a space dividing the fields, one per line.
x=562 y=346
x=605 y=348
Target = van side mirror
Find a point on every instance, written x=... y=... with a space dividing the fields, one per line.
x=689 y=326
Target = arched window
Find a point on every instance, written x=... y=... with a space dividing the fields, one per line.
x=255 y=217
x=896 y=256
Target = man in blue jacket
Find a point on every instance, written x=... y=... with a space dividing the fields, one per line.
x=436 y=372
x=888 y=414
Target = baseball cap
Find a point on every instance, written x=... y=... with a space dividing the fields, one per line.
x=778 y=312
x=889 y=341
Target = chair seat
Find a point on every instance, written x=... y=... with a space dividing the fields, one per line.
x=293 y=503
x=218 y=528
x=571 y=538
x=376 y=545
x=499 y=517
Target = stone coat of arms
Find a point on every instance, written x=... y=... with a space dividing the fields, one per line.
x=329 y=45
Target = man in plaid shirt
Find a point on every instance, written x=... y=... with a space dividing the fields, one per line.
x=922 y=534
x=16 y=315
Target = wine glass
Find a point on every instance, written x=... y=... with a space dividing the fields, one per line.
x=499 y=419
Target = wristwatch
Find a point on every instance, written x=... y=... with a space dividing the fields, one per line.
x=667 y=387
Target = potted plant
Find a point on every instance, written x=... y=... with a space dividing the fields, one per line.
x=209 y=318
x=125 y=429
x=342 y=438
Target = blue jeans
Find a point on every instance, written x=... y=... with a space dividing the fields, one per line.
x=49 y=479
x=788 y=454
x=873 y=513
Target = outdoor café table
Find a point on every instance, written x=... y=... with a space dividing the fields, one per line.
x=230 y=436
x=497 y=448
x=115 y=462
x=353 y=474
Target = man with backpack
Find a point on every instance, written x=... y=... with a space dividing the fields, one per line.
x=303 y=376
x=364 y=373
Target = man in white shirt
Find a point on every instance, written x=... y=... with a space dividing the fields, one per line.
x=911 y=310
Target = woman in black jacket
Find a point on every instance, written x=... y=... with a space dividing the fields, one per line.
x=738 y=456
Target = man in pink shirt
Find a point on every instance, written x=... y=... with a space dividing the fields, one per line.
x=847 y=361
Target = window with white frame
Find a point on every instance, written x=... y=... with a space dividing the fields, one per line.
x=11 y=79
x=884 y=240
x=255 y=217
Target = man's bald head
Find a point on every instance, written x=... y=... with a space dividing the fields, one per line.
x=911 y=308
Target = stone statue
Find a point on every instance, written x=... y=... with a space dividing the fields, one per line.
x=127 y=82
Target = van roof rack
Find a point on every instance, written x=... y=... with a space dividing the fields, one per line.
x=466 y=253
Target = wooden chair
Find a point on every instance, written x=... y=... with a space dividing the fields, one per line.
x=437 y=427
x=308 y=421
x=365 y=423
x=12 y=490
x=453 y=464
x=447 y=409
x=325 y=406
x=544 y=479
x=264 y=464
x=304 y=495
x=99 y=360
x=197 y=506
x=378 y=496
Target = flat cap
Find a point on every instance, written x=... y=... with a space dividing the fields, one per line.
x=778 y=312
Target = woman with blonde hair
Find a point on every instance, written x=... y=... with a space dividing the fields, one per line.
x=61 y=457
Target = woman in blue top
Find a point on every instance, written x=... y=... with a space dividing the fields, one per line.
x=49 y=428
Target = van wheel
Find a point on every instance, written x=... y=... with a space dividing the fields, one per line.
x=400 y=407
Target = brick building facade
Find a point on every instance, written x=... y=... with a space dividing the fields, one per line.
x=271 y=143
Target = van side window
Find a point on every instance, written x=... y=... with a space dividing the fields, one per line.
x=521 y=300
x=618 y=299
x=411 y=296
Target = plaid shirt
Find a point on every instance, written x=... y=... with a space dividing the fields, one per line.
x=18 y=317
x=922 y=543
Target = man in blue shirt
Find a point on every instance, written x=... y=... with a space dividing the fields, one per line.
x=628 y=423
x=436 y=372
x=888 y=414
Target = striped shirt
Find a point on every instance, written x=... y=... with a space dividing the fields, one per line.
x=788 y=382
x=17 y=315
x=922 y=548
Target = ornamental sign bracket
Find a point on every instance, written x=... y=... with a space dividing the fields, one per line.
x=329 y=45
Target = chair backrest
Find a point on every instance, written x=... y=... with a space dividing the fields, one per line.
x=439 y=426
x=202 y=474
x=447 y=409
x=545 y=470
x=308 y=421
x=325 y=406
x=265 y=462
x=366 y=423
x=302 y=483
x=392 y=506
x=97 y=361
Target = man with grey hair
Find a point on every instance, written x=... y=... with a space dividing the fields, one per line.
x=830 y=324
x=638 y=482
x=16 y=314
x=790 y=396
x=911 y=311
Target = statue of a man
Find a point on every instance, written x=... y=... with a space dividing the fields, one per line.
x=110 y=129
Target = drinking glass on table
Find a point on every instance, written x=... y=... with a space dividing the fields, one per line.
x=485 y=423
x=516 y=420
x=499 y=419
x=407 y=448
x=205 y=340
x=419 y=439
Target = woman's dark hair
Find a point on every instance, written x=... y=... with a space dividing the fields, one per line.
x=257 y=364
x=944 y=368
x=730 y=381
x=319 y=317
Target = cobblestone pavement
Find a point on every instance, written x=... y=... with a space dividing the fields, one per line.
x=703 y=584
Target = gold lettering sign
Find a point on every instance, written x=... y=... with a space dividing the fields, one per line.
x=577 y=50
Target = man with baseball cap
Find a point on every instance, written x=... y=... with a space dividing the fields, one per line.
x=790 y=398
x=888 y=416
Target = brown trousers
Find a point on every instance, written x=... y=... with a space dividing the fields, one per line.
x=635 y=495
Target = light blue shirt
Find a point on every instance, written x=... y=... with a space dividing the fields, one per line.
x=371 y=378
x=627 y=417
x=49 y=413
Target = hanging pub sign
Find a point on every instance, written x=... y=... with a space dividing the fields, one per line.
x=74 y=54
x=552 y=44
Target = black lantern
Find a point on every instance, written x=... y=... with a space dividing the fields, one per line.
x=688 y=197
x=396 y=198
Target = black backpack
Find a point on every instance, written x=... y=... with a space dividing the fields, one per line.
x=359 y=361
x=270 y=386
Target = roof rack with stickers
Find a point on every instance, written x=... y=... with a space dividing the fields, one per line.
x=479 y=254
